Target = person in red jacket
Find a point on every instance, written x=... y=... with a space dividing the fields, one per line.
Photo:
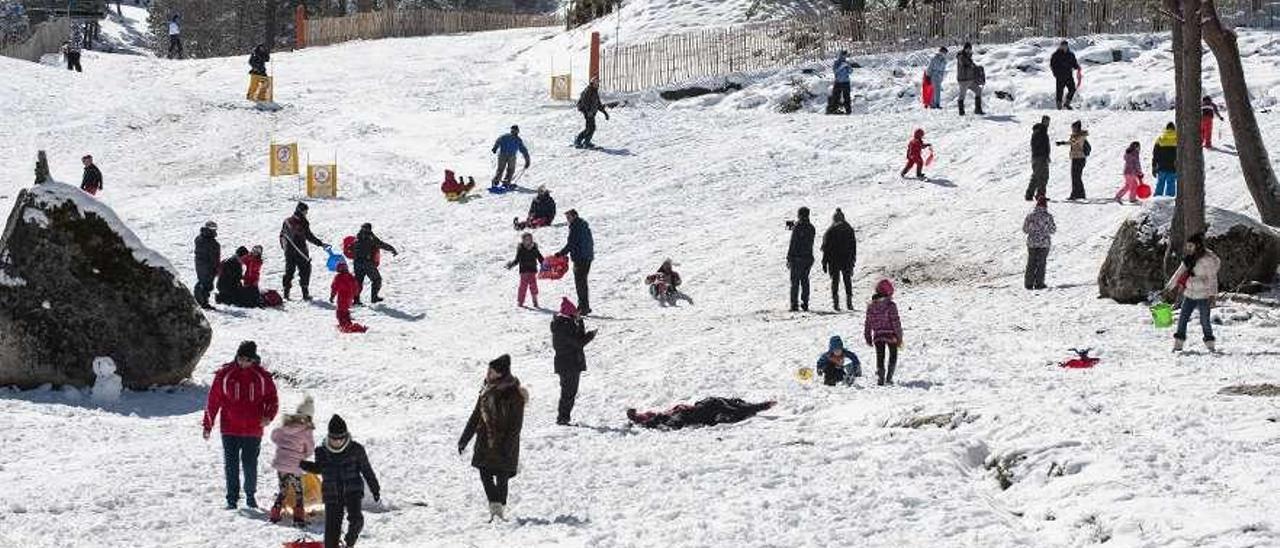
x=344 y=289
x=243 y=392
x=454 y=190
x=1208 y=110
x=915 y=156
x=252 y=267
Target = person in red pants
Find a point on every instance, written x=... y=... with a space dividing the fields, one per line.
x=915 y=154
x=345 y=289
x=1208 y=110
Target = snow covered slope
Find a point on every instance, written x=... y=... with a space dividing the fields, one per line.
x=1138 y=451
x=642 y=20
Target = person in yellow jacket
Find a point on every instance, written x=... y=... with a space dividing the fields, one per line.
x=1164 y=161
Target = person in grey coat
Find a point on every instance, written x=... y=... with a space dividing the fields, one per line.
x=1039 y=228
x=937 y=71
x=969 y=78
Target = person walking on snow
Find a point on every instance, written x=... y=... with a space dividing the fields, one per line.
x=91 y=181
x=937 y=71
x=968 y=78
x=344 y=469
x=589 y=104
x=1039 y=160
x=208 y=259
x=915 y=154
x=1164 y=161
x=1132 y=173
x=506 y=147
x=800 y=259
x=1039 y=228
x=252 y=267
x=366 y=257
x=1061 y=64
x=245 y=395
x=71 y=53
x=258 y=60
x=345 y=289
x=1197 y=280
x=294 y=441
x=528 y=257
x=1080 y=149
x=541 y=211
x=843 y=69
x=1208 y=110
x=883 y=330
x=175 y=38
x=495 y=423
x=839 y=254
x=581 y=250
x=295 y=233
x=838 y=364
x=568 y=337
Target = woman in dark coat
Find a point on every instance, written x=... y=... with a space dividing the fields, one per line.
x=495 y=422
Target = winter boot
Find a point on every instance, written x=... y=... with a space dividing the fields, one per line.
x=494 y=510
x=299 y=515
x=306 y=296
x=848 y=304
x=1212 y=346
x=286 y=292
x=1177 y=345
x=962 y=107
x=977 y=106
x=274 y=517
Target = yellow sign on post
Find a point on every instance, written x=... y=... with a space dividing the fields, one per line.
x=284 y=159
x=562 y=87
x=259 y=88
x=322 y=181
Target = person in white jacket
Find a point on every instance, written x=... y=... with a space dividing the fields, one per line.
x=1197 y=280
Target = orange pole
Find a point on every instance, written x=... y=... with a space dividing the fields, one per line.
x=300 y=27
x=595 y=55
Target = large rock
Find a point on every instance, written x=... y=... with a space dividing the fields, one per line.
x=1134 y=266
x=76 y=284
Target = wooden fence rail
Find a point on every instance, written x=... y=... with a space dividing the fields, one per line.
x=47 y=37
x=718 y=53
x=418 y=22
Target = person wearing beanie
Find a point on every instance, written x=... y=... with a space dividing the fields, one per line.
x=245 y=395
x=344 y=468
x=528 y=257
x=581 y=250
x=1040 y=151
x=839 y=254
x=295 y=441
x=208 y=256
x=1197 y=280
x=506 y=148
x=568 y=337
x=915 y=154
x=367 y=255
x=838 y=363
x=541 y=211
x=883 y=330
x=295 y=234
x=495 y=423
x=1039 y=228
x=345 y=289
x=1164 y=161
x=231 y=288
x=800 y=259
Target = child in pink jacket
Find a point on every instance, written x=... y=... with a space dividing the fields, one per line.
x=1132 y=172
x=295 y=442
x=883 y=330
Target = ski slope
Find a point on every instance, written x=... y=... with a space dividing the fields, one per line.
x=1140 y=451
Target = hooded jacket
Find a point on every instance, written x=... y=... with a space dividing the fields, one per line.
x=882 y=323
x=245 y=396
x=800 y=251
x=543 y=207
x=915 y=147
x=937 y=67
x=842 y=69
x=252 y=269
x=1203 y=281
x=344 y=471
x=568 y=337
x=1040 y=141
x=208 y=253
x=840 y=246
x=1039 y=228
x=1132 y=164
x=367 y=245
x=528 y=258
x=496 y=421
x=294 y=443
x=1164 y=154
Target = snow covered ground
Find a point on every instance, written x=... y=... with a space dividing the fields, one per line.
x=1140 y=451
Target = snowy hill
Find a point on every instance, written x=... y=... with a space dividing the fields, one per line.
x=1138 y=451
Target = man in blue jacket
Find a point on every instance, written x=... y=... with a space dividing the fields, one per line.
x=842 y=69
x=581 y=250
x=507 y=146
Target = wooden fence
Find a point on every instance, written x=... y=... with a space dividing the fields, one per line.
x=719 y=53
x=418 y=22
x=46 y=37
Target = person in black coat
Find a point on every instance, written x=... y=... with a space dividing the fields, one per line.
x=91 y=181
x=366 y=264
x=258 y=60
x=295 y=233
x=231 y=288
x=1039 y=159
x=208 y=252
x=839 y=254
x=589 y=104
x=1062 y=63
x=344 y=468
x=495 y=422
x=529 y=258
x=568 y=337
x=800 y=259
x=541 y=212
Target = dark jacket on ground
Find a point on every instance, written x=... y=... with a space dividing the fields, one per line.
x=230 y=278
x=207 y=253
x=568 y=337
x=581 y=246
x=589 y=101
x=800 y=251
x=707 y=412
x=258 y=61
x=495 y=422
x=1062 y=63
x=543 y=206
x=344 y=472
x=528 y=258
x=839 y=246
x=92 y=179
x=966 y=70
x=366 y=243
x=294 y=235
x=1040 y=141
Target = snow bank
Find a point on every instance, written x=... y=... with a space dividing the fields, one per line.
x=53 y=193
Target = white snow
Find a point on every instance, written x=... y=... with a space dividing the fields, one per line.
x=53 y=194
x=107 y=385
x=1139 y=451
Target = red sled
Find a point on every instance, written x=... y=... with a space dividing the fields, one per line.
x=1080 y=363
x=352 y=328
x=553 y=268
x=349 y=250
x=926 y=91
x=303 y=543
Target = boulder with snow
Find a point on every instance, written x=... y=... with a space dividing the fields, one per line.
x=76 y=285
x=1134 y=267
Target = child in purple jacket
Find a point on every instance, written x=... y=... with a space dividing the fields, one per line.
x=295 y=441
x=883 y=330
x=1132 y=173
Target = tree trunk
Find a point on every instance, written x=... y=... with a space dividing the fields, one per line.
x=1254 y=161
x=269 y=24
x=1188 y=52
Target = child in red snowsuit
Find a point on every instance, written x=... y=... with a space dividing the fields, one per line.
x=915 y=156
x=345 y=289
x=1208 y=110
x=452 y=189
x=252 y=267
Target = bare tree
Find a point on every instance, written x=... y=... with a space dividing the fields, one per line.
x=1188 y=51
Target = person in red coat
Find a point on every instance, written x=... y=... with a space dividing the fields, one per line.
x=344 y=289
x=453 y=189
x=252 y=267
x=244 y=394
x=915 y=156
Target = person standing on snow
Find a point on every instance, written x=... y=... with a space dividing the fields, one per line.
x=589 y=104
x=800 y=259
x=969 y=79
x=1132 y=173
x=344 y=469
x=243 y=392
x=581 y=250
x=295 y=233
x=528 y=257
x=1164 y=161
x=1080 y=149
x=208 y=258
x=1039 y=228
x=937 y=71
x=506 y=147
x=883 y=330
x=1062 y=63
x=175 y=38
x=839 y=254
x=91 y=181
x=568 y=337
x=294 y=442
x=541 y=211
x=365 y=254
x=840 y=91
x=915 y=154
x=71 y=53
x=1197 y=280
x=344 y=289
x=495 y=423
x=258 y=60
x=1208 y=110
x=1039 y=159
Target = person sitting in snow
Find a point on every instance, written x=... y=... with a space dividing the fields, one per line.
x=252 y=267
x=231 y=289
x=664 y=284
x=344 y=468
x=345 y=288
x=294 y=443
x=915 y=154
x=541 y=212
x=454 y=190
x=883 y=330
x=528 y=257
x=838 y=364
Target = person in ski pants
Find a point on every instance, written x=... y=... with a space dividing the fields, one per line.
x=915 y=154
x=208 y=258
x=1132 y=172
x=839 y=255
x=244 y=395
x=840 y=91
x=344 y=467
x=581 y=250
x=589 y=104
x=937 y=72
x=295 y=234
x=507 y=147
x=528 y=257
x=1039 y=228
x=800 y=259
x=568 y=337
x=1164 y=161
x=1208 y=110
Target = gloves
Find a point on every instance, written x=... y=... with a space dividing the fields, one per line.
x=461 y=447
x=509 y=265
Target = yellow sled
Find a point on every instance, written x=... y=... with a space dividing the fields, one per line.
x=804 y=374
x=312 y=497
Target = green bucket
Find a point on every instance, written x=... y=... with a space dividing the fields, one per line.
x=1162 y=315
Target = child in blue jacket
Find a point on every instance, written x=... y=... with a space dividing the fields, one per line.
x=838 y=364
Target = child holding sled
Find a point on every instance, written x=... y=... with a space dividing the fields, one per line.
x=838 y=364
x=915 y=154
x=664 y=284
x=528 y=257
x=294 y=443
x=454 y=190
x=1132 y=173
x=344 y=468
x=883 y=330
x=344 y=289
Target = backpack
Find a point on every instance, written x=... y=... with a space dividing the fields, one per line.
x=349 y=247
x=271 y=299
